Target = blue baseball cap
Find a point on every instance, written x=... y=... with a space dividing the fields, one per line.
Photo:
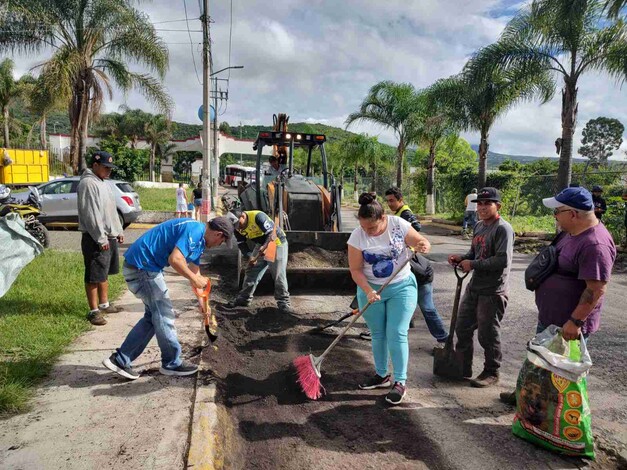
x=575 y=198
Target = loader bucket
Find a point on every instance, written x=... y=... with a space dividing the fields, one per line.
x=318 y=261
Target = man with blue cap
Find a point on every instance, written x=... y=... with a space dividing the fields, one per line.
x=572 y=296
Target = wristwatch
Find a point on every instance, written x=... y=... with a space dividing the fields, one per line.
x=578 y=323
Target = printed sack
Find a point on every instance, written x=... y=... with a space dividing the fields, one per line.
x=552 y=407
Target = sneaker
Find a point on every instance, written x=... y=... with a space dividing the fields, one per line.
x=96 y=318
x=366 y=335
x=396 y=395
x=236 y=303
x=376 y=382
x=485 y=379
x=186 y=368
x=112 y=363
x=509 y=398
x=111 y=309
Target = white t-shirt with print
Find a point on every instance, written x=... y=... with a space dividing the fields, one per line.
x=383 y=254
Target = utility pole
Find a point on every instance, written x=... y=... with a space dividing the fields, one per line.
x=207 y=203
x=240 y=138
x=214 y=162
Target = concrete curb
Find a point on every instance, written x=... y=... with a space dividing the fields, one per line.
x=203 y=430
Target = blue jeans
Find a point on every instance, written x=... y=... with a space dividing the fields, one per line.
x=158 y=319
x=432 y=318
x=470 y=218
x=277 y=269
x=388 y=320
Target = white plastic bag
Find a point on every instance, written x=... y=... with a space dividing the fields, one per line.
x=551 y=351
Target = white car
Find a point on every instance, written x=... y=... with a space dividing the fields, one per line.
x=59 y=203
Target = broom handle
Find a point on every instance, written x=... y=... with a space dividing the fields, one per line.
x=361 y=312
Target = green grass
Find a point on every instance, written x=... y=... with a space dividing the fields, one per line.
x=42 y=313
x=155 y=199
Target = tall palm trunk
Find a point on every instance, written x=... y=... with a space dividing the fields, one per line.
x=399 y=163
x=483 y=158
x=430 y=209
x=5 y=116
x=76 y=110
x=569 y=121
x=43 y=132
x=84 y=124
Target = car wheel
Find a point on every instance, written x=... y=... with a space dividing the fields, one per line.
x=122 y=223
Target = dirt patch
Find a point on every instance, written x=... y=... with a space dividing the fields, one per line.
x=315 y=257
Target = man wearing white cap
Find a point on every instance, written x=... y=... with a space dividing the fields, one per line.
x=572 y=296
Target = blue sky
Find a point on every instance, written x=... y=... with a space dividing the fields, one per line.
x=316 y=59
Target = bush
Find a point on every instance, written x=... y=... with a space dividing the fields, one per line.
x=131 y=163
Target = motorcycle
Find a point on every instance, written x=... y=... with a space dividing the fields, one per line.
x=29 y=211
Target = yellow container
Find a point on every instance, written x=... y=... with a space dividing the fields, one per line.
x=28 y=167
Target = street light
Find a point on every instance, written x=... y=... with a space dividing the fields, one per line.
x=214 y=163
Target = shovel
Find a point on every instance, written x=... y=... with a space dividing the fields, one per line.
x=446 y=361
x=209 y=318
x=355 y=310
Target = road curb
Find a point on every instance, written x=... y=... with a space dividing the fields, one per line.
x=203 y=433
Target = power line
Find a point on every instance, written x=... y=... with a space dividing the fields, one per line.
x=191 y=45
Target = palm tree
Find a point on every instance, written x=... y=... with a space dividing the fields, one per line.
x=93 y=42
x=477 y=101
x=393 y=106
x=358 y=150
x=157 y=133
x=42 y=99
x=566 y=38
x=434 y=126
x=9 y=91
x=613 y=7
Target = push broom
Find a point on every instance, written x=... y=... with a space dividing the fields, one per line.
x=308 y=367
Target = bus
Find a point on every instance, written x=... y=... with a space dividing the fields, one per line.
x=233 y=174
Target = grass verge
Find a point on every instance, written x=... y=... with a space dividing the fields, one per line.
x=156 y=199
x=43 y=312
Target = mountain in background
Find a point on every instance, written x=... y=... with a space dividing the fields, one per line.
x=495 y=159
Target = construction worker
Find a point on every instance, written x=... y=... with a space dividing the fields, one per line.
x=394 y=198
x=257 y=227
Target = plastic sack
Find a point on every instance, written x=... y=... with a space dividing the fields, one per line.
x=553 y=411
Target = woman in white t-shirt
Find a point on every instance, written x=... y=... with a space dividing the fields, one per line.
x=375 y=250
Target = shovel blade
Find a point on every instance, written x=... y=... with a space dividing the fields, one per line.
x=448 y=363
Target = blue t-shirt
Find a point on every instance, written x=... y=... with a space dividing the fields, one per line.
x=151 y=251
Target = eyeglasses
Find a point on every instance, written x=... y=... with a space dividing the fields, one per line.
x=557 y=211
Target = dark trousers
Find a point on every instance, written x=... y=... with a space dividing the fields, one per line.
x=484 y=313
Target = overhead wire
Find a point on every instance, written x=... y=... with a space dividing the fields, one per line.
x=191 y=45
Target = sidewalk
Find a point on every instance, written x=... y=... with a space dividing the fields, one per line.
x=84 y=416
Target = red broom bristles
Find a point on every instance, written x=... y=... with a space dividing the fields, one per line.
x=308 y=377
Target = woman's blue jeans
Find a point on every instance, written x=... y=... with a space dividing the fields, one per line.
x=432 y=318
x=388 y=320
x=158 y=319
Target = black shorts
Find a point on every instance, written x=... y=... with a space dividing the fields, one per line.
x=99 y=263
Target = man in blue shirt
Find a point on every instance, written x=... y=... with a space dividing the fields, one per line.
x=178 y=243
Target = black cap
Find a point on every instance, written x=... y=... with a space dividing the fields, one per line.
x=103 y=158
x=597 y=189
x=488 y=194
x=222 y=224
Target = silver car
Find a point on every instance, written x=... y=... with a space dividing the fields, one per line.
x=59 y=203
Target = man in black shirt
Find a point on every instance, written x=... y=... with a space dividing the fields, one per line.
x=600 y=207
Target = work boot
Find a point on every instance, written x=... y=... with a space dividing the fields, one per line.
x=127 y=372
x=396 y=395
x=485 y=379
x=286 y=310
x=96 y=318
x=237 y=303
x=186 y=368
x=376 y=382
x=111 y=309
x=509 y=398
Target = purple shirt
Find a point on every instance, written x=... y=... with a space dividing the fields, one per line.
x=587 y=256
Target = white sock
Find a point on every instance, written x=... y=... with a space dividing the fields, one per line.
x=105 y=305
x=93 y=312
